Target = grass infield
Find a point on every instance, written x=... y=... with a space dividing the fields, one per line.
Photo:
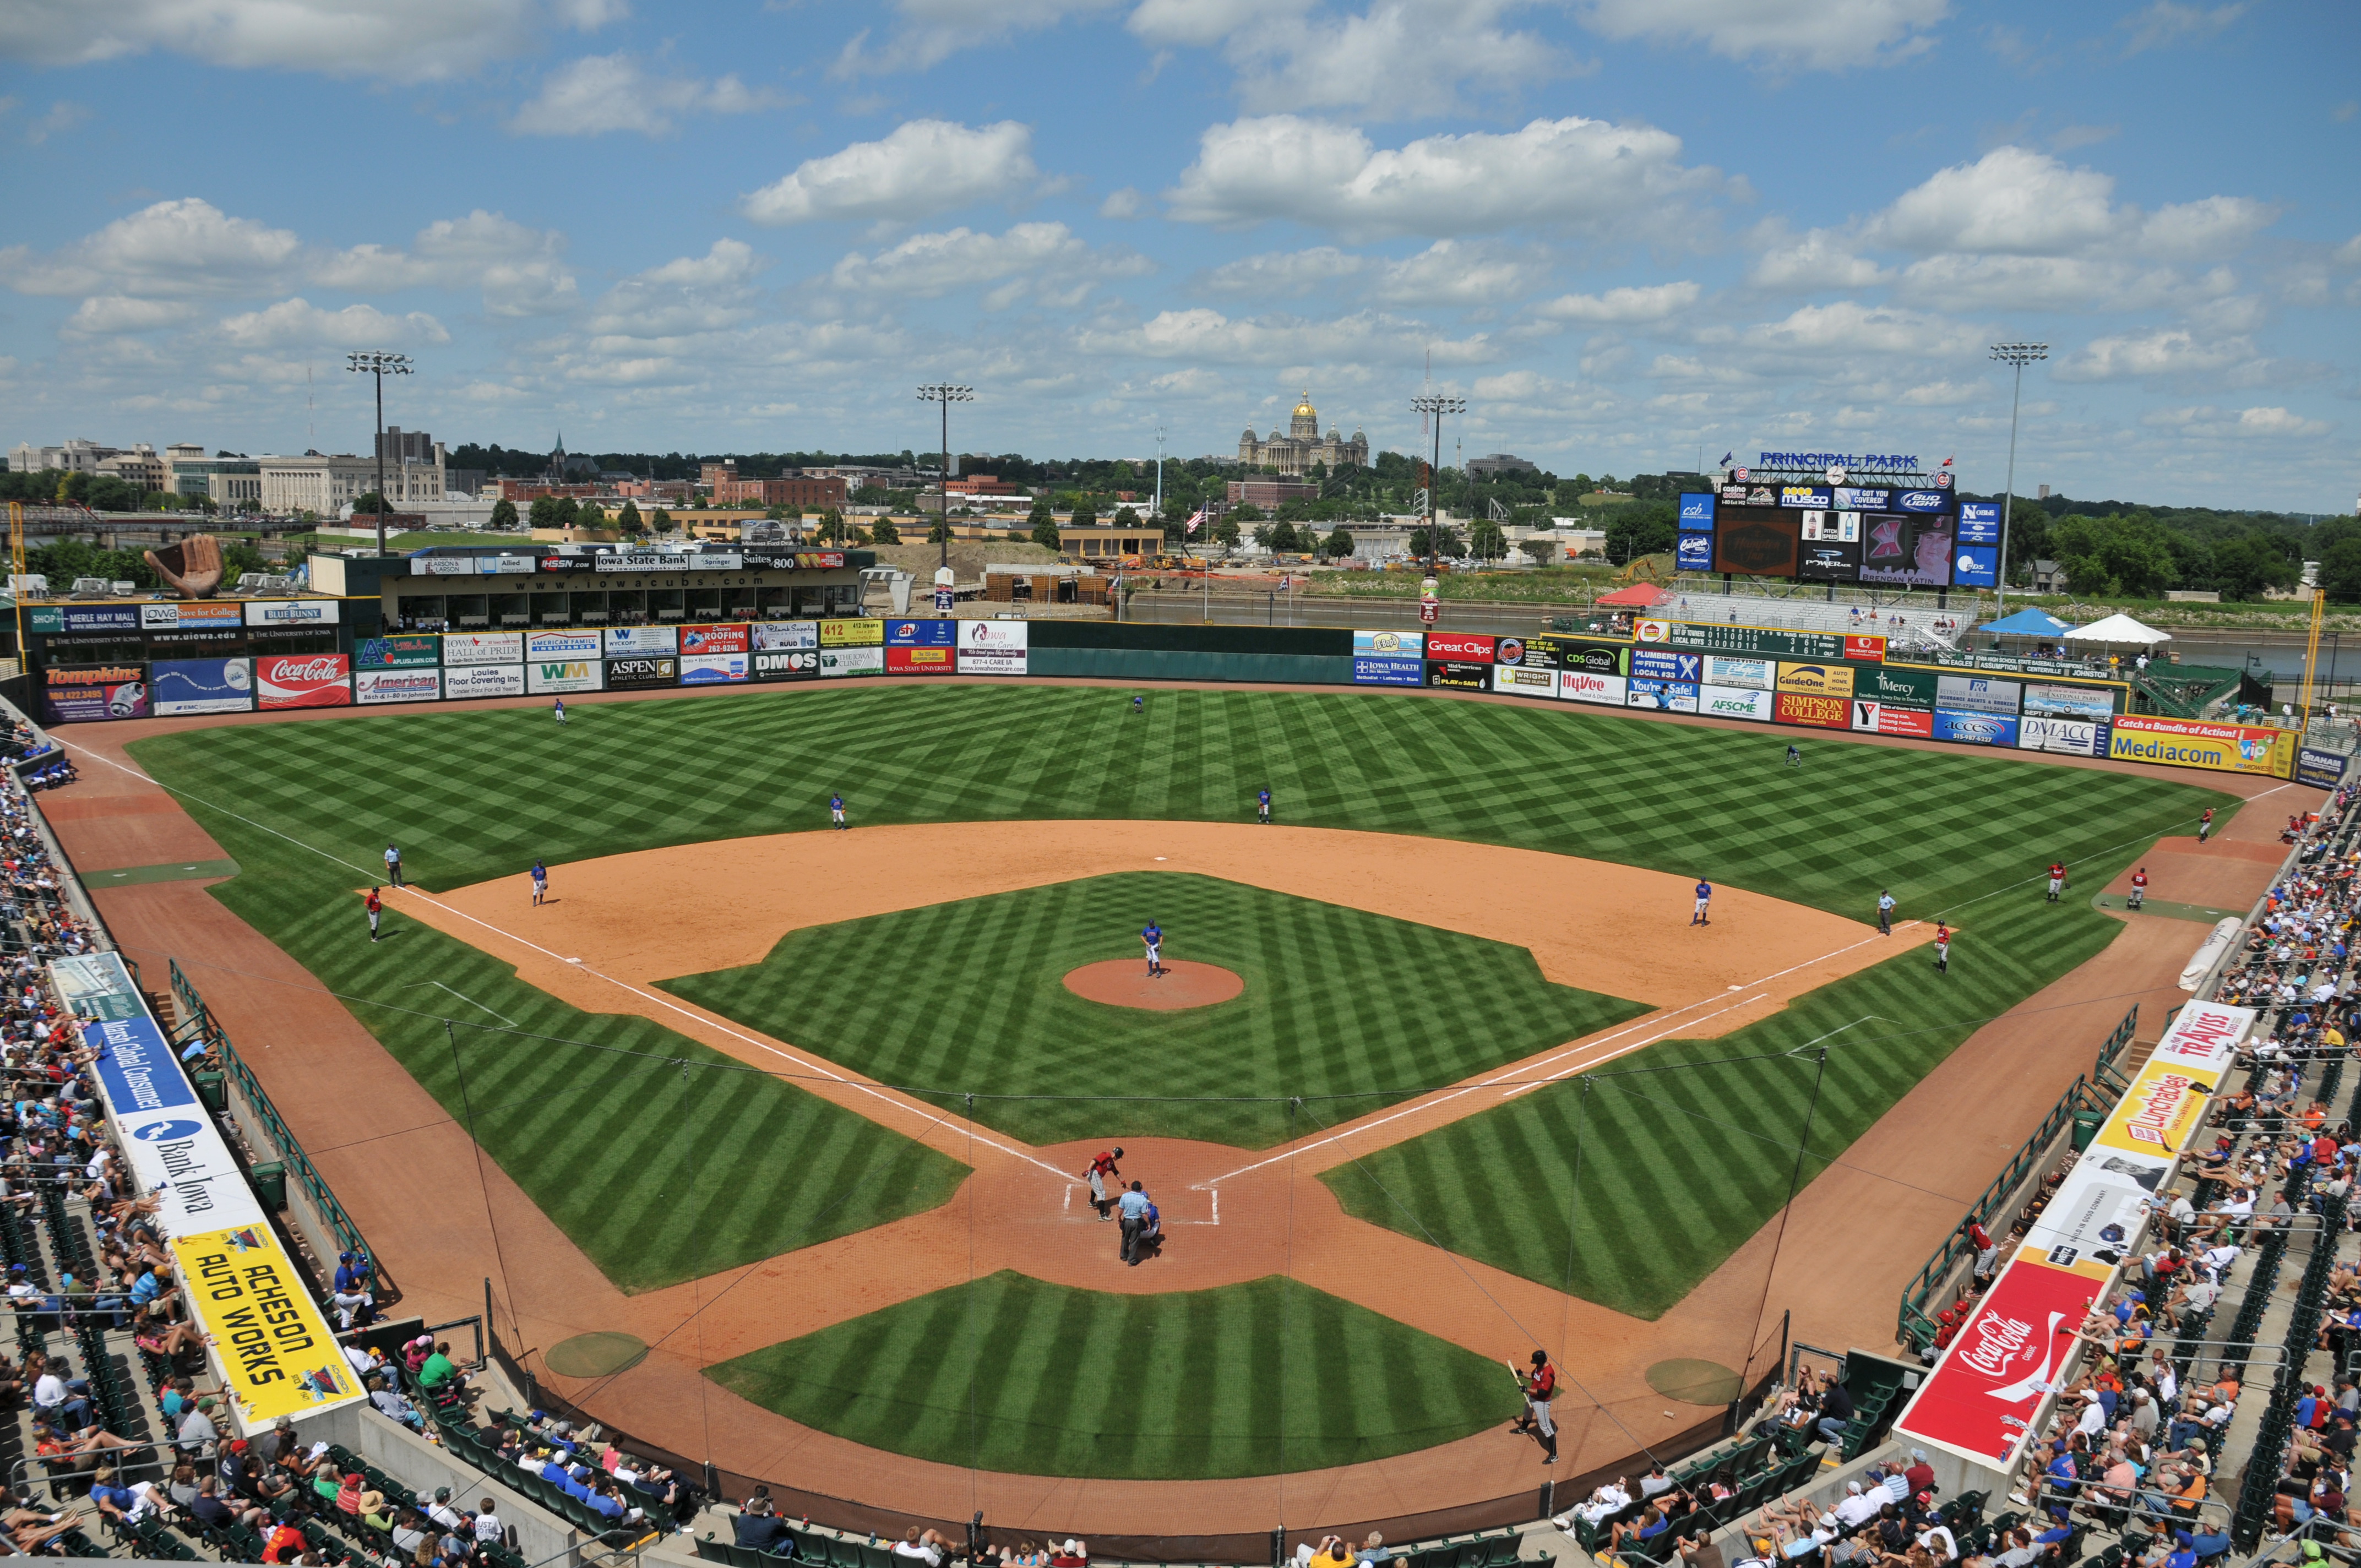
x=1357 y=1009
x=597 y=1139
x=1008 y=1373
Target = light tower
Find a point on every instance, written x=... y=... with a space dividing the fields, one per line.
x=2018 y=355
x=380 y=366
x=1435 y=406
x=946 y=394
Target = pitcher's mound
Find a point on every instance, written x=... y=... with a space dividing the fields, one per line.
x=1125 y=983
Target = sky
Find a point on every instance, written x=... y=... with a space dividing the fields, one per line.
x=1633 y=234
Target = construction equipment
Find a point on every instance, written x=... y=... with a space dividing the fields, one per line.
x=1641 y=566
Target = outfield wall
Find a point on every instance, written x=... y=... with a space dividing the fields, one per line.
x=1797 y=680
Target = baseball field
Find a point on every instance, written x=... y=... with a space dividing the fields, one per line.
x=862 y=1070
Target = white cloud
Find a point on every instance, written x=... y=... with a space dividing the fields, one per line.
x=62 y=117
x=930 y=264
x=404 y=40
x=933 y=30
x=518 y=269
x=685 y=297
x=1619 y=306
x=1206 y=334
x=1278 y=274
x=2349 y=253
x=299 y=323
x=1123 y=203
x=185 y=246
x=2165 y=23
x=2244 y=423
x=2036 y=282
x=1849 y=328
x=1820 y=34
x=2214 y=226
x=925 y=166
x=1202 y=23
x=2156 y=351
x=1942 y=394
x=1453 y=272
x=110 y=313
x=1820 y=260
x=1400 y=56
x=1570 y=172
x=604 y=93
x=2014 y=201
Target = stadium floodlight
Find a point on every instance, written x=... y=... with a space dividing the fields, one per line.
x=946 y=394
x=380 y=366
x=1435 y=406
x=2017 y=355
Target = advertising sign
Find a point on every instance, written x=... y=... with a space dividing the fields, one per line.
x=201 y=685
x=1582 y=685
x=1664 y=664
x=2075 y=737
x=622 y=640
x=1756 y=541
x=1856 y=498
x=1694 y=552
x=1538 y=654
x=1829 y=562
x=1922 y=502
x=1524 y=680
x=992 y=647
x=2069 y=702
x=1830 y=527
x=662 y=561
x=1976 y=694
x=1819 y=680
x=1979 y=523
x=192 y=615
x=1666 y=696
x=1975 y=728
x=1460 y=646
x=1696 y=511
x=774 y=636
x=786 y=664
x=582 y=643
x=2205 y=1036
x=852 y=631
x=1600 y=658
x=1732 y=702
x=1706 y=637
x=921 y=634
x=1864 y=650
x=1975 y=566
x=2186 y=743
x=277 y=1355
x=560 y=677
x=304 y=680
x=465 y=682
x=1981 y=1399
x=291 y=612
x=709 y=639
x=644 y=670
x=1877 y=719
x=795 y=560
x=1806 y=497
x=1390 y=645
x=424 y=684
x=2321 y=769
x=713 y=669
x=1752 y=674
x=2094 y=1216
x=483 y=647
x=1894 y=686
x=99 y=693
x=2162 y=1111
x=1907 y=549
x=1459 y=674
x=396 y=653
x=1368 y=670
x=1803 y=708
x=926 y=660
x=851 y=661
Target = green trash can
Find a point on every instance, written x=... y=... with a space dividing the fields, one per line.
x=271 y=1184
x=2086 y=1127
x=213 y=1090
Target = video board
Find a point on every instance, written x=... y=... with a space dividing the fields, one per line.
x=1898 y=535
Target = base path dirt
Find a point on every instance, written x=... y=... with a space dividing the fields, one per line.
x=1125 y=982
x=403 y=1169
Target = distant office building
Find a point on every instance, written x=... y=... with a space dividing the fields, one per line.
x=230 y=483
x=323 y=484
x=1268 y=493
x=78 y=455
x=1492 y=464
x=399 y=445
x=142 y=467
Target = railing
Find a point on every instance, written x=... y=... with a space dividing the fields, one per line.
x=2103 y=1071
x=291 y=1151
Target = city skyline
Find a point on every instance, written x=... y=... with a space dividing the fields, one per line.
x=1633 y=237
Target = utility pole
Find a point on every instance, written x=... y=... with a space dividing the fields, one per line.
x=2019 y=356
x=1159 y=477
x=946 y=394
x=380 y=366
x=1436 y=407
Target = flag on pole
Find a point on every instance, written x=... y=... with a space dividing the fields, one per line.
x=1196 y=518
x=1947 y=461
x=1726 y=457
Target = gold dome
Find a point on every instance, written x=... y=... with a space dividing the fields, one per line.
x=1304 y=409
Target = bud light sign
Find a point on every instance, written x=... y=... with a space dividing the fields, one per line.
x=1696 y=510
x=1695 y=553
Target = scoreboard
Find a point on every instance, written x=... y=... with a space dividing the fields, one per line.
x=1914 y=533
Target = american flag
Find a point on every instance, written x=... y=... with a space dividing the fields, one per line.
x=1196 y=518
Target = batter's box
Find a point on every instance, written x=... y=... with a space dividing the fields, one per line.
x=1178 y=1206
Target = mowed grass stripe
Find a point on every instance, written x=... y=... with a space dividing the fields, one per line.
x=480 y=794
x=1013 y=1374
x=1338 y=1003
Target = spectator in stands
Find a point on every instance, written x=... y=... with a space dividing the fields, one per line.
x=438 y=1375
x=197 y=1428
x=1652 y=1522
x=489 y=1530
x=1374 y=1549
x=394 y=1407
x=1836 y=1411
x=1023 y=1554
x=1858 y=1506
x=928 y=1546
x=57 y=1394
x=1071 y=1554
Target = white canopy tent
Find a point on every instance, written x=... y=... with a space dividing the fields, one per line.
x=2117 y=630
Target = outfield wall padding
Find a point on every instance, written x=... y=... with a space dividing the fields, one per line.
x=1170 y=664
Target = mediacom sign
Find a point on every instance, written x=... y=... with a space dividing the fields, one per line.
x=2185 y=743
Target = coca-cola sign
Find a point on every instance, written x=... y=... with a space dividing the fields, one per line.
x=304 y=680
x=1982 y=1396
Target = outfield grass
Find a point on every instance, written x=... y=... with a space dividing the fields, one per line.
x=1358 y=1010
x=1008 y=1373
x=474 y=795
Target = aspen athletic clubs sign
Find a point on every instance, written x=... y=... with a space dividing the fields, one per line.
x=1989 y=1392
